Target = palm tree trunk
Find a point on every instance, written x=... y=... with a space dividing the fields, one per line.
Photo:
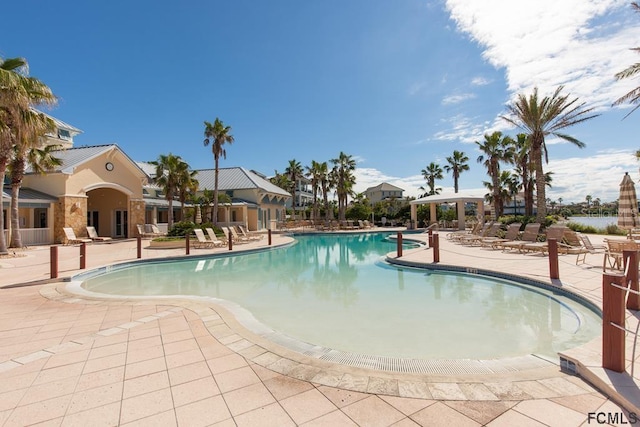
x=16 y=239
x=215 y=193
x=540 y=187
x=3 y=241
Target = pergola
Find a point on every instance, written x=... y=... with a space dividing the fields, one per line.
x=459 y=198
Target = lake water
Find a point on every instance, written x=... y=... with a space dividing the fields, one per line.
x=595 y=221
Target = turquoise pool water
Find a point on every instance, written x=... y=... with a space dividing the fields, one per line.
x=334 y=291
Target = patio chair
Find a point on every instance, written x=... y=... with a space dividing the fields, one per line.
x=141 y=231
x=250 y=236
x=456 y=235
x=156 y=231
x=214 y=239
x=555 y=232
x=512 y=233
x=93 y=235
x=490 y=231
x=613 y=254
x=572 y=244
x=71 y=239
x=202 y=242
x=530 y=235
x=230 y=234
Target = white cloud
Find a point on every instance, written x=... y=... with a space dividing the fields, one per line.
x=549 y=43
x=456 y=99
x=461 y=129
x=480 y=81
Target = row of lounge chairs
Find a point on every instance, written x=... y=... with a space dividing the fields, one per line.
x=491 y=235
x=72 y=239
x=237 y=234
x=326 y=225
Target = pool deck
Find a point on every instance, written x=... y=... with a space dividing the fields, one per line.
x=69 y=360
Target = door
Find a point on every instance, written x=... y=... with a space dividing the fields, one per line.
x=122 y=224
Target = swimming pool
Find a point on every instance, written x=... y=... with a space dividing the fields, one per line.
x=334 y=291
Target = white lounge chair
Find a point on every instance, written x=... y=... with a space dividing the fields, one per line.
x=202 y=240
x=93 y=235
x=214 y=239
x=246 y=234
x=71 y=238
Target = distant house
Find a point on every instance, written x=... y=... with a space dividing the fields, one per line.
x=382 y=192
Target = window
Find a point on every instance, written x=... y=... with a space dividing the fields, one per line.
x=64 y=134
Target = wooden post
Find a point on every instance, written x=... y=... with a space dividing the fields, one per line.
x=399 y=245
x=613 y=343
x=269 y=236
x=436 y=247
x=230 y=242
x=139 y=247
x=53 y=261
x=631 y=269
x=83 y=256
x=554 y=270
x=187 y=244
x=430 y=237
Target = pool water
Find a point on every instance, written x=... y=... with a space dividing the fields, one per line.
x=335 y=291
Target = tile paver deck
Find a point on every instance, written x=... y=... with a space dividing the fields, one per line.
x=71 y=360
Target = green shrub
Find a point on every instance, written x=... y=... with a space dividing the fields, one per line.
x=182 y=228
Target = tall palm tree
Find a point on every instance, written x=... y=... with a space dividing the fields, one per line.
x=343 y=167
x=326 y=184
x=633 y=96
x=495 y=148
x=169 y=170
x=294 y=172
x=539 y=118
x=19 y=93
x=41 y=160
x=217 y=134
x=431 y=173
x=457 y=163
x=502 y=190
x=314 y=173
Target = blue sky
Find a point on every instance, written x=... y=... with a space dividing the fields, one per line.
x=396 y=84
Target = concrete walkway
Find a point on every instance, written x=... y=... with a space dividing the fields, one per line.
x=66 y=360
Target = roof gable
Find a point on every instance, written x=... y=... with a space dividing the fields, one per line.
x=237 y=178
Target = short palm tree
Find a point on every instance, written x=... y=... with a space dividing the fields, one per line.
x=457 y=163
x=187 y=187
x=539 y=118
x=633 y=96
x=524 y=169
x=495 y=148
x=326 y=184
x=431 y=173
x=217 y=134
x=169 y=170
x=19 y=93
x=294 y=172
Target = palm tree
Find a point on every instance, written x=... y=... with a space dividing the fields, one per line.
x=432 y=172
x=294 y=172
x=19 y=93
x=187 y=186
x=326 y=184
x=314 y=173
x=217 y=134
x=41 y=160
x=588 y=198
x=523 y=168
x=344 y=180
x=539 y=118
x=169 y=170
x=503 y=190
x=457 y=165
x=633 y=96
x=496 y=148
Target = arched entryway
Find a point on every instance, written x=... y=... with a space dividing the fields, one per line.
x=108 y=211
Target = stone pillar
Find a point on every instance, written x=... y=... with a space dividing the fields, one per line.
x=433 y=213
x=414 y=215
x=136 y=215
x=70 y=211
